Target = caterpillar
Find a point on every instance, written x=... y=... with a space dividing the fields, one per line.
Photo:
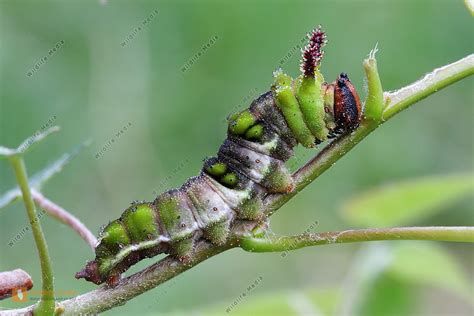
x=249 y=164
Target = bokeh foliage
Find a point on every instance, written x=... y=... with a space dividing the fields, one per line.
x=157 y=123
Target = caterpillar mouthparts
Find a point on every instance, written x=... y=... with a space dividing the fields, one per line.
x=249 y=164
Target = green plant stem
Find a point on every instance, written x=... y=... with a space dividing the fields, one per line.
x=440 y=78
x=105 y=298
x=287 y=243
x=46 y=304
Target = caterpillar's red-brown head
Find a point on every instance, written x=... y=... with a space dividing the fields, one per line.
x=347 y=105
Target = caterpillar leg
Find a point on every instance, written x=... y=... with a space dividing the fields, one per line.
x=183 y=249
x=217 y=233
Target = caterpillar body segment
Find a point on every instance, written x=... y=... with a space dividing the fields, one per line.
x=289 y=106
x=249 y=164
x=310 y=98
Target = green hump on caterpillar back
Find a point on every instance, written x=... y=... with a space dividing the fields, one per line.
x=239 y=123
x=135 y=225
x=175 y=214
x=113 y=237
x=288 y=104
x=140 y=221
x=311 y=101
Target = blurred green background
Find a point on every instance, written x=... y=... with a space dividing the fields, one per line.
x=93 y=86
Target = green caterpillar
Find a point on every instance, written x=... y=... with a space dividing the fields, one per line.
x=250 y=163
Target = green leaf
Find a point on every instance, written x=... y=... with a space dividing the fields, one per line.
x=384 y=276
x=429 y=264
x=41 y=177
x=366 y=269
x=387 y=296
x=309 y=302
x=407 y=202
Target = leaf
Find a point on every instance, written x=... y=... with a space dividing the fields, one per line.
x=408 y=201
x=387 y=296
x=429 y=264
x=310 y=302
x=366 y=269
x=383 y=277
x=40 y=178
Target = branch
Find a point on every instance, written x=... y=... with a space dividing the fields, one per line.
x=14 y=280
x=438 y=79
x=105 y=298
x=287 y=243
x=64 y=217
x=46 y=304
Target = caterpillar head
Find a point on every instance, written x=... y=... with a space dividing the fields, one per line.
x=347 y=105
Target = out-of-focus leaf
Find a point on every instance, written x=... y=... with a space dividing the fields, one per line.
x=387 y=296
x=314 y=302
x=383 y=276
x=367 y=267
x=407 y=202
x=326 y=300
x=40 y=178
x=429 y=264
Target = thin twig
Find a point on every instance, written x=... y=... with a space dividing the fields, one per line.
x=64 y=217
x=10 y=281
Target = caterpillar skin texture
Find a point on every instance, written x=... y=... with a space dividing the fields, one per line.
x=249 y=164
